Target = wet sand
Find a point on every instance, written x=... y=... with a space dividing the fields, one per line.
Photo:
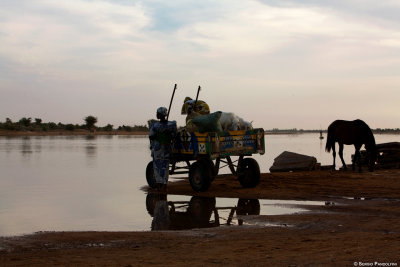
x=359 y=224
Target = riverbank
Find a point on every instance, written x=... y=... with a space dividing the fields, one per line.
x=68 y=133
x=357 y=224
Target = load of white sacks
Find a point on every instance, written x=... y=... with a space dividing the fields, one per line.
x=216 y=122
x=231 y=122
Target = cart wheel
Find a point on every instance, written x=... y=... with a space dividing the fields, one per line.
x=248 y=172
x=200 y=176
x=151 y=180
x=214 y=169
x=201 y=208
x=248 y=207
x=151 y=200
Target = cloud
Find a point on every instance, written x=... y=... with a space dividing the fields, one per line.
x=114 y=19
x=253 y=28
x=48 y=32
x=384 y=10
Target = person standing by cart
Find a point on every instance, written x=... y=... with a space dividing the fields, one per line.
x=161 y=135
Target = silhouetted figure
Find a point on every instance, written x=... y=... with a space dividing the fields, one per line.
x=161 y=219
x=355 y=133
x=161 y=135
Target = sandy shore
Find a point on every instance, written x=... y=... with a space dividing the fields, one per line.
x=357 y=224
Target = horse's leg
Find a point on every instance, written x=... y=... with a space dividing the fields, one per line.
x=334 y=157
x=341 y=156
x=357 y=157
x=355 y=160
x=371 y=160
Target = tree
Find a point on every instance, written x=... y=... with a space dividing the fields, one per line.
x=90 y=122
x=52 y=125
x=69 y=127
x=25 y=121
x=8 y=125
x=38 y=121
x=108 y=128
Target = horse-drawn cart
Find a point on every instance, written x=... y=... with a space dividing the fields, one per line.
x=203 y=153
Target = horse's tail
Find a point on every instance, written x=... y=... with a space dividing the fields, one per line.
x=329 y=140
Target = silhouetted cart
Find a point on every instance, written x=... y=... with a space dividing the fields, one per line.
x=203 y=154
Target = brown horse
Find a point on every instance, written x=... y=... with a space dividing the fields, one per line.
x=355 y=133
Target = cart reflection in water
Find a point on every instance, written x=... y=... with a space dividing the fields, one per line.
x=199 y=212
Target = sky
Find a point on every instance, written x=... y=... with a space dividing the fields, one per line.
x=281 y=64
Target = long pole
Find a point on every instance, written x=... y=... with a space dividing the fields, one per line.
x=197 y=97
x=170 y=103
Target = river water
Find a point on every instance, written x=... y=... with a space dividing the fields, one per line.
x=94 y=183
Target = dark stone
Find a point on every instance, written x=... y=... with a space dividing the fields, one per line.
x=290 y=161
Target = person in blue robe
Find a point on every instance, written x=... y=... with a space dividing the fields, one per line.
x=162 y=134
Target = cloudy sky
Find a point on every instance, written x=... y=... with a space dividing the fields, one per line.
x=282 y=64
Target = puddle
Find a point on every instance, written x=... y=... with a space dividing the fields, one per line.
x=189 y=212
x=367 y=198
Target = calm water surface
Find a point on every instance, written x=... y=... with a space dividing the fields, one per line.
x=94 y=183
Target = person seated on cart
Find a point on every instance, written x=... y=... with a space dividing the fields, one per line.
x=200 y=107
x=161 y=135
x=192 y=109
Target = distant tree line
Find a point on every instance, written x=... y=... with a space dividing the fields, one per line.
x=292 y=131
x=386 y=130
x=37 y=125
x=298 y=131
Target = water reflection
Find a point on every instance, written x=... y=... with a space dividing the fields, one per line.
x=248 y=207
x=199 y=212
x=91 y=150
x=26 y=146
